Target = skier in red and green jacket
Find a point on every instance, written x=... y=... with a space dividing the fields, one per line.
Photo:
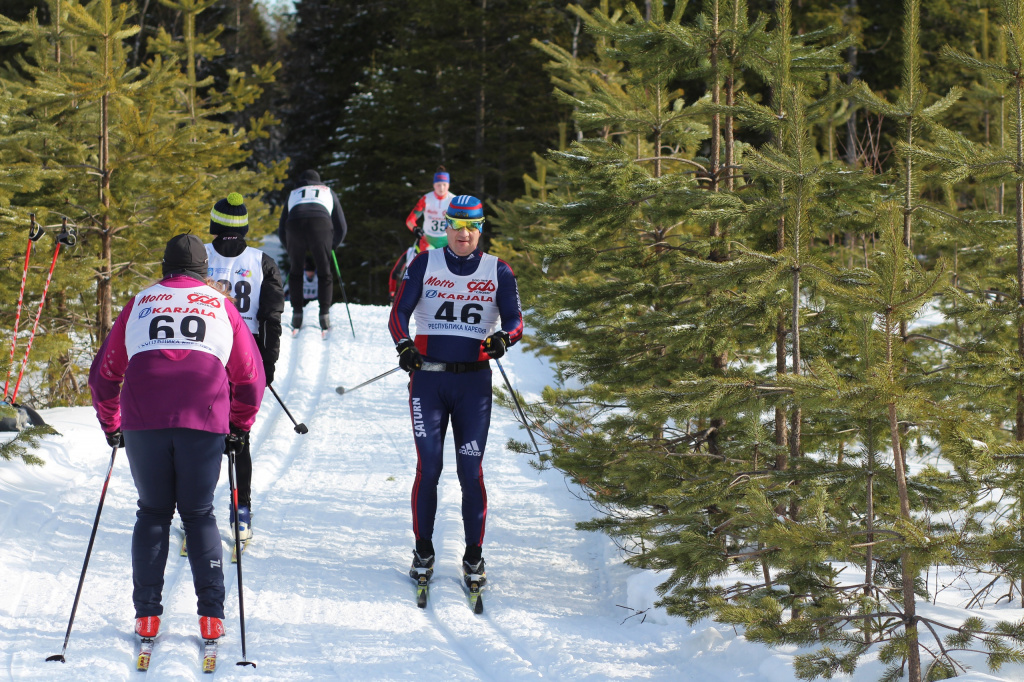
x=431 y=207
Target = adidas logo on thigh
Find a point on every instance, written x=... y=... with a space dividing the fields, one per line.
x=471 y=449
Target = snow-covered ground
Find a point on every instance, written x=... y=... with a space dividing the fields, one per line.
x=326 y=591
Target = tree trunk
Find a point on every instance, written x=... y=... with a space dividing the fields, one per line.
x=481 y=106
x=781 y=431
x=794 y=436
x=104 y=287
x=908 y=204
x=909 y=598
x=716 y=131
x=1019 y=433
x=851 y=75
x=190 y=61
x=869 y=559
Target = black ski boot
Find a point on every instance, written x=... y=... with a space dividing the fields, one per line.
x=475 y=577
x=474 y=573
x=421 y=566
x=421 y=570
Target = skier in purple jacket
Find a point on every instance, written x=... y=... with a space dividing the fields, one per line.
x=178 y=379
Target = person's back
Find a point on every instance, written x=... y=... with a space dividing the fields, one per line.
x=312 y=221
x=254 y=280
x=178 y=372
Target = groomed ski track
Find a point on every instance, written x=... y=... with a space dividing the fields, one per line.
x=326 y=593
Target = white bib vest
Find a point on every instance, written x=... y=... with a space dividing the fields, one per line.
x=458 y=306
x=312 y=194
x=434 y=222
x=310 y=287
x=166 y=318
x=243 y=276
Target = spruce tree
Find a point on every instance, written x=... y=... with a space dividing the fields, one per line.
x=988 y=336
x=163 y=155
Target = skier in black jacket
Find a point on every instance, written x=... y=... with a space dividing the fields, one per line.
x=253 y=279
x=312 y=221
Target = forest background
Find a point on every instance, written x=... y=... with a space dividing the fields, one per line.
x=727 y=218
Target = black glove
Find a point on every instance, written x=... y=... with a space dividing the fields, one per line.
x=409 y=358
x=418 y=231
x=234 y=441
x=269 y=371
x=496 y=343
x=115 y=438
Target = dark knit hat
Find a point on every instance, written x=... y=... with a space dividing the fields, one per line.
x=229 y=215
x=185 y=253
x=310 y=177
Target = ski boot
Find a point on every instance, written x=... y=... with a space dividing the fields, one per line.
x=145 y=630
x=475 y=578
x=421 y=570
x=325 y=324
x=211 y=629
x=421 y=566
x=296 y=322
x=474 y=573
x=244 y=524
x=147 y=627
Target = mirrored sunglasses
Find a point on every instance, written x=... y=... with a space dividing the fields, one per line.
x=461 y=224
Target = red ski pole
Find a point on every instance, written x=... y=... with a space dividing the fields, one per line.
x=65 y=237
x=34 y=233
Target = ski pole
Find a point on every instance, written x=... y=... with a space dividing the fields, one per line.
x=65 y=237
x=34 y=233
x=238 y=553
x=299 y=428
x=88 y=552
x=520 y=407
x=344 y=296
x=341 y=390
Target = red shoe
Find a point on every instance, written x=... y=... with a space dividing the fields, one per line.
x=210 y=627
x=147 y=627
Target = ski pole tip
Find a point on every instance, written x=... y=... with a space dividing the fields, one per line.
x=301 y=428
x=57 y=657
x=340 y=390
x=246 y=663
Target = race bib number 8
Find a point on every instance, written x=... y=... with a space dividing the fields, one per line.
x=242 y=294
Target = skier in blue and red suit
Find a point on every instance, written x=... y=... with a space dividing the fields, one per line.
x=456 y=295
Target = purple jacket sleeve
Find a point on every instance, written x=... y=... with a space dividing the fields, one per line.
x=245 y=373
x=107 y=373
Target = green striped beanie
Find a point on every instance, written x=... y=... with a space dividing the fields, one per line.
x=229 y=215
